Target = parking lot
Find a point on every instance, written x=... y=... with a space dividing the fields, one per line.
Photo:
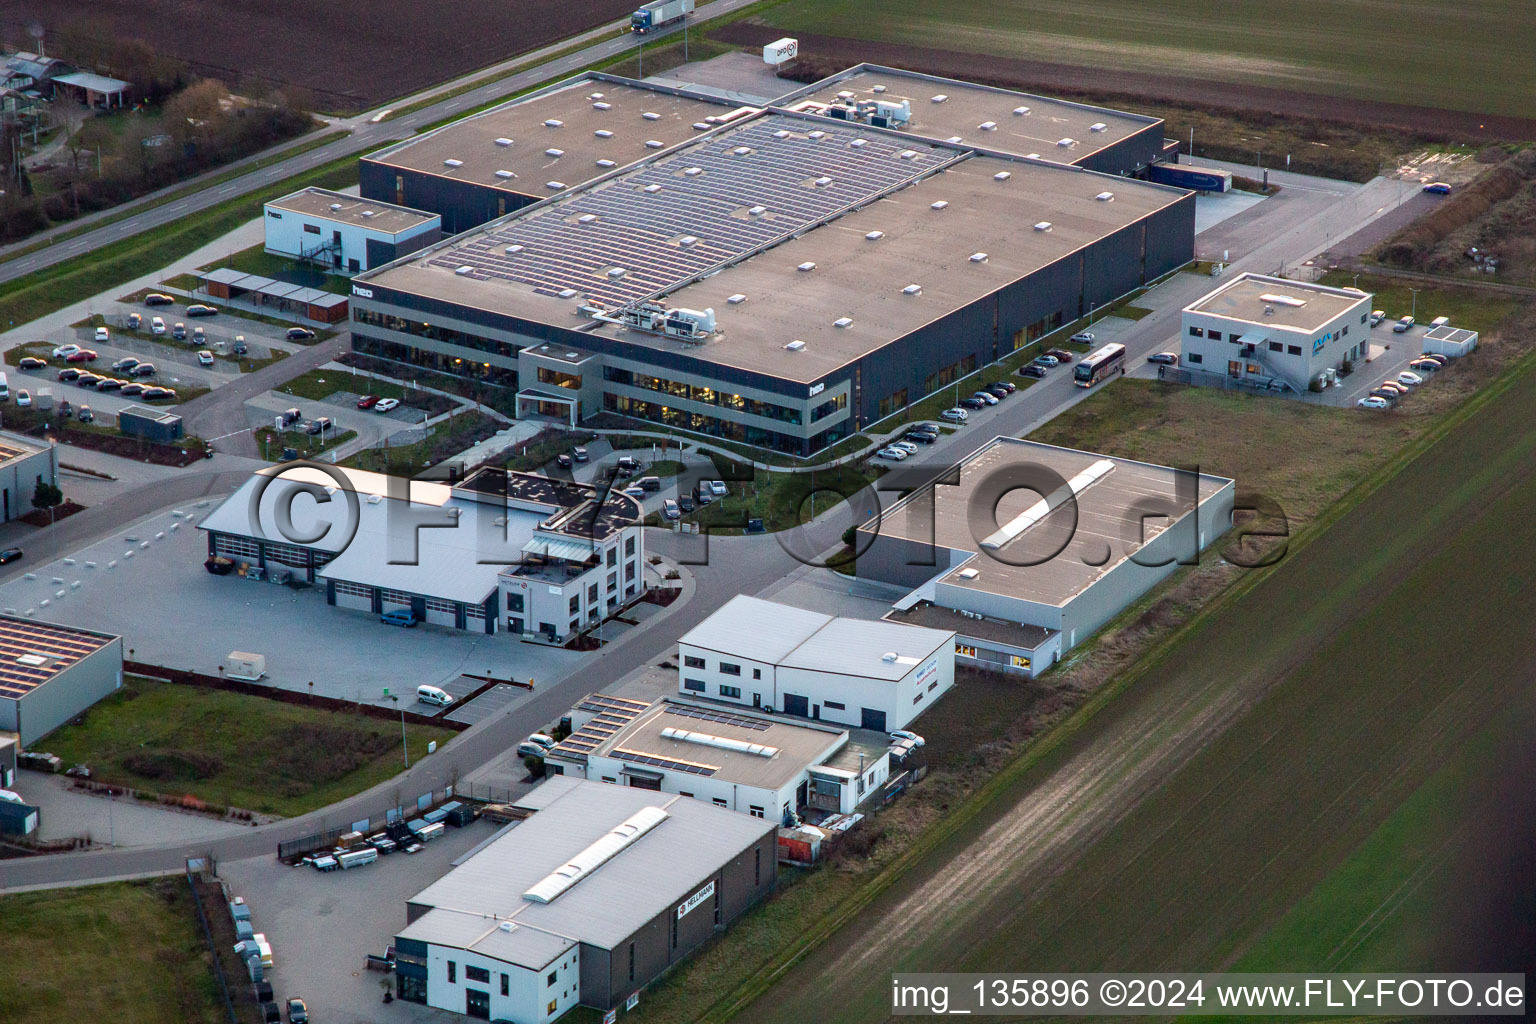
x=490 y=703
x=147 y=582
x=400 y=426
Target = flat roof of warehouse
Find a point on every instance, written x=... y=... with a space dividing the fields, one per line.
x=867 y=213
x=515 y=139
x=1062 y=554
x=33 y=652
x=1296 y=305
x=1023 y=124
x=609 y=902
x=324 y=204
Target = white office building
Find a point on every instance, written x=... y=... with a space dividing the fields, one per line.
x=345 y=234
x=1275 y=334
x=870 y=674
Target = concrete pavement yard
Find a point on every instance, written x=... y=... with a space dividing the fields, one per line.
x=173 y=613
x=67 y=812
x=322 y=925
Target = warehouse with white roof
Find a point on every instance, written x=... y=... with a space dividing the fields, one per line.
x=594 y=895
x=870 y=674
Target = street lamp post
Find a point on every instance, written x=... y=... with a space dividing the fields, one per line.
x=404 y=747
x=1414 y=311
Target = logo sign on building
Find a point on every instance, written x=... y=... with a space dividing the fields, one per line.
x=611 y=1017
x=366 y=293
x=927 y=672
x=817 y=389
x=693 y=901
x=781 y=50
x=633 y=1001
x=1320 y=342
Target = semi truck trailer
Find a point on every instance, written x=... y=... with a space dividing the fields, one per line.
x=659 y=14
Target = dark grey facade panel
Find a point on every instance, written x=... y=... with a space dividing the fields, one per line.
x=461 y=204
x=376 y=252
x=1128 y=156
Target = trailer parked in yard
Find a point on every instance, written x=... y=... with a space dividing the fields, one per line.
x=1200 y=179
x=659 y=14
x=357 y=858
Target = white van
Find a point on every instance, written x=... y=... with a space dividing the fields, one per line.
x=1440 y=321
x=434 y=696
x=5 y=388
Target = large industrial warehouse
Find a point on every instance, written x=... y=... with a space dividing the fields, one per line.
x=588 y=900
x=49 y=673
x=782 y=280
x=1032 y=547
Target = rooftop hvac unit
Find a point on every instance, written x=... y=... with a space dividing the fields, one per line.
x=978 y=257
x=843 y=321
x=1020 y=111
x=556 y=153
x=554 y=123
x=505 y=174
x=897 y=113
x=939 y=204
x=506 y=926
x=879 y=121
x=907 y=154
x=987 y=126
x=652 y=188
x=782 y=133
x=1098 y=126
x=688 y=240
x=693 y=172
x=875 y=236
x=795 y=346
x=1105 y=197
x=806 y=267
x=823 y=181
x=701 y=126
x=503 y=142
x=1269 y=310
x=554 y=185
x=607 y=163
x=651 y=115
x=912 y=289
x=466 y=269
x=818 y=134
x=567 y=293
x=840 y=113
x=654 y=144
x=335 y=207
x=603 y=133
x=846 y=94
x=737 y=299
x=1066 y=143
x=954 y=140
x=742 y=150
x=602 y=106
x=587 y=218
x=514 y=249
x=1002 y=175
x=940 y=98
x=367 y=213
x=1043 y=225
x=757 y=211
x=878 y=88
x=615 y=272
x=453 y=163
x=969 y=574
x=594 y=95
x=859 y=143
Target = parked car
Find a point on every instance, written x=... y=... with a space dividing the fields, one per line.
x=718 y=488
x=69 y=373
x=685 y=503
x=291 y=416
x=1005 y=385
x=1392 y=385
x=103 y=335
x=198 y=336
x=1424 y=366
x=1374 y=402
x=158 y=394
x=1438 y=188
x=31 y=363
x=300 y=334
x=199 y=309
x=320 y=425
x=1413 y=380
x=126 y=363
x=10 y=555
x=918 y=436
x=156 y=325
x=997 y=390
x=298 y=1013
x=240 y=346
x=907 y=446
x=368 y=401
x=404 y=617
x=108 y=384
x=564 y=461
x=1060 y=353
x=204 y=357
x=1034 y=371
x=143 y=370
x=635 y=491
x=131 y=389
x=1047 y=360
x=158 y=299
x=892 y=454
x=1436 y=357
x=179 y=331
x=387 y=405
x=987 y=397
x=23 y=397
x=1164 y=358
x=931 y=429
x=669 y=509
x=135 y=321
x=1402 y=325
x=579 y=453
x=954 y=415
x=628 y=465
x=86 y=380
x=65 y=351
x=1377 y=316
x=973 y=403
x=1083 y=337
x=1385 y=395
x=85 y=414
x=84 y=355
x=907 y=734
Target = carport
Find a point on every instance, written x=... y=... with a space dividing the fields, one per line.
x=296 y=299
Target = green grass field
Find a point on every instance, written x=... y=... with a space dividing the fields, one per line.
x=231 y=749
x=1350 y=48
x=129 y=952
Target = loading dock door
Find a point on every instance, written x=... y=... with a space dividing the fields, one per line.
x=794 y=705
x=873 y=719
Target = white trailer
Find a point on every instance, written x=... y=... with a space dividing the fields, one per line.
x=659 y=14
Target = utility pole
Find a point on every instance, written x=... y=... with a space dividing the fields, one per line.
x=1415 y=310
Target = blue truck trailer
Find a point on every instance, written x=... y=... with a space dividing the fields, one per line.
x=1200 y=179
x=659 y=14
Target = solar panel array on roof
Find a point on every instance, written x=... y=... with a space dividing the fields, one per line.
x=31 y=653
x=640 y=757
x=615 y=714
x=723 y=717
x=707 y=194
x=607 y=702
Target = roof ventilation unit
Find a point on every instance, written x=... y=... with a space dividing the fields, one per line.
x=1032 y=156
x=988 y=126
x=912 y=289
x=652 y=188
x=594 y=95
x=453 y=163
x=978 y=257
x=968 y=574
x=796 y=345
x=742 y=150
x=1105 y=197
x=1283 y=300
x=878 y=88
x=567 y=293
x=701 y=126
x=954 y=140
x=939 y=204
x=34 y=660
x=693 y=172
x=782 y=133
x=1066 y=143
x=335 y=207
x=507 y=926
x=654 y=143
x=587 y=218
x=907 y=154
x=859 y=143
x=464 y=270
x=817 y=134
x=940 y=98
x=651 y=115
x=603 y=133
x=503 y=143
x=607 y=163
x=823 y=181
x=758 y=211
x=843 y=321
x=513 y=249
x=367 y=213
x=846 y=94
x=806 y=267
x=1098 y=126
x=554 y=185
x=1020 y=111
x=505 y=174
x=556 y=153
x=737 y=299
x=688 y=240
x=1043 y=225
x=889 y=656
x=615 y=272
x=554 y=123
x=1002 y=175
x=874 y=236
x=602 y=106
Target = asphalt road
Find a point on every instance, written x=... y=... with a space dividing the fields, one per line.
x=1289 y=228
x=366 y=136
